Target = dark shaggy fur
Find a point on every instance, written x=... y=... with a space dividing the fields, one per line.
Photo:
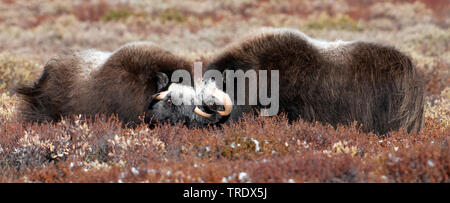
x=93 y=82
x=335 y=83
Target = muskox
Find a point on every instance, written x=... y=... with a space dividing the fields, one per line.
x=331 y=82
x=128 y=82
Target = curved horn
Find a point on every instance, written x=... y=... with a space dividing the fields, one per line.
x=161 y=95
x=202 y=113
x=226 y=101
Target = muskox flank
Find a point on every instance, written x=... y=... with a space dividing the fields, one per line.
x=331 y=82
x=126 y=82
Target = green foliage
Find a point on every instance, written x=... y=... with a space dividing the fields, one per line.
x=117 y=14
x=171 y=14
x=339 y=22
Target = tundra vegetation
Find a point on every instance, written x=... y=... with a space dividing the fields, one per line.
x=255 y=149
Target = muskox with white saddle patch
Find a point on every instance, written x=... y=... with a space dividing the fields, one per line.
x=126 y=82
x=331 y=82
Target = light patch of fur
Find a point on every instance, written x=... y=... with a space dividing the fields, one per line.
x=321 y=45
x=205 y=91
x=182 y=94
x=137 y=43
x=92 y=60
x=327 y=45
x=187 y=95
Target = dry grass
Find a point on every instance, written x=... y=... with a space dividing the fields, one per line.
x=253 y=150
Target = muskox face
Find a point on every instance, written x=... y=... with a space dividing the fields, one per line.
x=180 y=103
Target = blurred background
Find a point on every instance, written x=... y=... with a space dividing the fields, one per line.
x=31 y=32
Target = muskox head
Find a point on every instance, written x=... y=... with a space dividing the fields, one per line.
x=179 y=103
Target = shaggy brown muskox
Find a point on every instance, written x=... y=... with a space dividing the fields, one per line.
x=95 y=82
x=332 y=82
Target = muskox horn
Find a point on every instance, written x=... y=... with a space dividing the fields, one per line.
x=226 y=101
x=161 y=95
x=202 y=113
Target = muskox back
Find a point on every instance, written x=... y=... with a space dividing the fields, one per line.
x=333 y=82
x=95 y=82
